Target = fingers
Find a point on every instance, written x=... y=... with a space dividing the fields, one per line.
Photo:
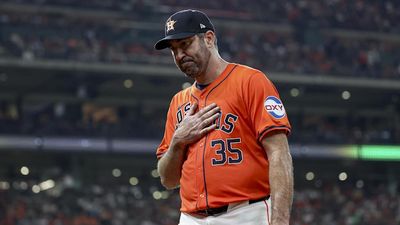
x=208 y=129
x=197 y=124
x=208 y=115
x=210 y=119
x=207 y=108
x=192 y=109
x=212 y=112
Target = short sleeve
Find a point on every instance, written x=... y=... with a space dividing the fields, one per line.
x=168 y=132
x=265 y=107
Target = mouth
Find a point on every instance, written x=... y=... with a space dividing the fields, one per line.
x=186 y=60
x=186 y=64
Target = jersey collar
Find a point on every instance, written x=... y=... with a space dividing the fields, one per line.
x=198 y=93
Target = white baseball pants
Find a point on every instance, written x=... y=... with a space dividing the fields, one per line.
x=243 y=213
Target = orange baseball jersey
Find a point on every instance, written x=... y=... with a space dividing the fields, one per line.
x=229 y=164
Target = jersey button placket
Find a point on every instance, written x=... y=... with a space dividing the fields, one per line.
x=200 y=150
x=201 y=147
x=199 y=175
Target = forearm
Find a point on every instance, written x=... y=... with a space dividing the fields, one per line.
x=170 y=165
x=280 y=176
x=281 y=183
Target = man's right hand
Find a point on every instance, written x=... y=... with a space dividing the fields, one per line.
x=195 y=125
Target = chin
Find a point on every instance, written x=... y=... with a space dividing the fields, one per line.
x=190 y=73
x=193 y=76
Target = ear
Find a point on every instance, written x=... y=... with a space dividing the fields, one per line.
x=209 y=38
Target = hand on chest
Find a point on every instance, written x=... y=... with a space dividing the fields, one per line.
x=226 y=121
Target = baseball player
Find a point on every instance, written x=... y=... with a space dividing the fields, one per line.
x=225 y=141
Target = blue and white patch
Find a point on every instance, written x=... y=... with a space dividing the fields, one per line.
x=274 y=107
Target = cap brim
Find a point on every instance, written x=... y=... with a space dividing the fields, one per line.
x=164 y=43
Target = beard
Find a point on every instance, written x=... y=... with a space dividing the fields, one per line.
x=189 y=67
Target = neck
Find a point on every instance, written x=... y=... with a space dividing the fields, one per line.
x=215 y=67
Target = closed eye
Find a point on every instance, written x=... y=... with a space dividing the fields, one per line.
x=181 y=44
x=186 y=43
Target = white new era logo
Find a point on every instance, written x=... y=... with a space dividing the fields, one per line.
x=202 y=26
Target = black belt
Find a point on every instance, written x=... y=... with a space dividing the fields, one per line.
x=222 y=209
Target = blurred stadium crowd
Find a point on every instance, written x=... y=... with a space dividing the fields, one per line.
x=359 y=15
x=297 y=48
x=68 y=203
x=91 y=120
x=92 y=205
x=340 y=38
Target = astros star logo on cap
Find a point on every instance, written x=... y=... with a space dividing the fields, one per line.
x=170 y=24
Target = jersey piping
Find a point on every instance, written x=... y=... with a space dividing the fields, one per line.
x=204 y=148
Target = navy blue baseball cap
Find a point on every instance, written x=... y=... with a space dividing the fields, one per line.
x=184 y=24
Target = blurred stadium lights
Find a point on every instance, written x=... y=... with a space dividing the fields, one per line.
x=116 y=172
x=15 y=185
x=380 y=152
x=346 y=95
x=161 y=195
x=128 y=83
x=23 y=185
x=294 y=92
x=35 y=189
x=310 y=176
x=360 y=184
x=24 y=170
x=4 y=185
x=54 y=144
x=164 y=194
x=343 y=176
x=19 y=185
x=76 y=144
x=154 y=173
x=85 y=143
x=46 y=185
x=157 y=195
x=134 y=181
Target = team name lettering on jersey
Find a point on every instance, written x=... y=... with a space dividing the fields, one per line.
x=227 y=125
x=181 y=112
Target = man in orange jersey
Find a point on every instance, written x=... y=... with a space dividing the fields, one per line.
x=225 y=141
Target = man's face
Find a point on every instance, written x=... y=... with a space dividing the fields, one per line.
x=191 y=55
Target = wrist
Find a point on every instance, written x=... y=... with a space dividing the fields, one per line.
x=177 y=143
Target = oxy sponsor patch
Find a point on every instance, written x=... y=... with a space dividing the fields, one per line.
x=274 y=107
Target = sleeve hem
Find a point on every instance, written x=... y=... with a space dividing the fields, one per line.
x=273 y=128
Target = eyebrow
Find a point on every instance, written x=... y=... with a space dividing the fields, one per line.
x=179 y=41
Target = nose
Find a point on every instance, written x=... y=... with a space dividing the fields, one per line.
x=178 y=54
